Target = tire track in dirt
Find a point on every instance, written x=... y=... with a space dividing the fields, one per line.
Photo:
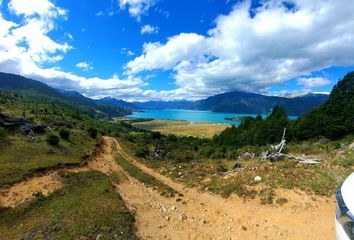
x=208 y=216
x=198 y=215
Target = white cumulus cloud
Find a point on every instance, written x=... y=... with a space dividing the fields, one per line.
x=25 y=47
x=85 y=66
x=42 y=8
x=149 y=29
x=256 y=52
x=313 y=82
x=137 y=8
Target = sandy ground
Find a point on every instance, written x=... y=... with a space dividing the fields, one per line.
x=30 y=189
x=203 y=215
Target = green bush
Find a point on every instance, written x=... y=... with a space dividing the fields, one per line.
x=93 y=132
x=142 y=151
x=3 y=135
x=64 y=133
x=220 y=168
x=52 y=139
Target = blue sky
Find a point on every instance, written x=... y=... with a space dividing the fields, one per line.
x=165 y=49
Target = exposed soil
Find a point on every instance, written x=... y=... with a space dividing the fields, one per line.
x=198 y=215
x=30 y=189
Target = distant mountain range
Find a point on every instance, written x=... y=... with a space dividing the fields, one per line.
x=176 y=104
x=245 y=102
x=117 y=102
x=234 y=102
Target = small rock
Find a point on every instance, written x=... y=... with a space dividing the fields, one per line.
x=182 y=217
x=244 y=228
x=179 y=173
x=351 y=146
x=167 y=218
x=257 y=179
x=36 y=194
x=99 y=236
x=173 y=208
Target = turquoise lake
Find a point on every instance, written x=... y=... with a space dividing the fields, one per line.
x=190 y=115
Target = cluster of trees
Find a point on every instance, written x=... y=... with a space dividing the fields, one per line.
x=255 y=131
x=333 y=119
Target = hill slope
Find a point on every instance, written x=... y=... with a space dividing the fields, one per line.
x=333 y=119
x=116 y=102
x=39 y=92
x=245 y=102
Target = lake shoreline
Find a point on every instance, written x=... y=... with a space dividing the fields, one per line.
x=195 y=116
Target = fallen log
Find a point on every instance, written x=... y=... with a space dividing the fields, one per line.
x=305 y=160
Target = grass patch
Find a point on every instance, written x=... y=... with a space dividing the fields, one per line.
x=86 y=207
x=182 y=128
x=157 y=123
x=21 y=158
x=145 y=178
x=230 y=186
x=281 y=201
x=266 y=196
x=203 y=130
x=322 y=179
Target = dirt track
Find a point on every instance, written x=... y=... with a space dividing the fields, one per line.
x=202 y=215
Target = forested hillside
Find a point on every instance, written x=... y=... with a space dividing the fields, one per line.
x=39 y=92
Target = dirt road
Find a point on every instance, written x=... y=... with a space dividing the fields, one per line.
x=202 y=215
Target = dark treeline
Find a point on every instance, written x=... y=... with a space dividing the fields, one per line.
x=333 y=119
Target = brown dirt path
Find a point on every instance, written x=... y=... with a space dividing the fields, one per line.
x=208 y=216
x=200 y=215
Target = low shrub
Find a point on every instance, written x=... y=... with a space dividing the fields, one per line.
x=3 y=135
x=92 y=131
x=220 y=168
x=64 y=133
x=142 y=152
x=52 y=139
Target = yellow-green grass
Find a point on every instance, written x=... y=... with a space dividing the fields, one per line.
x=158 y=123
x=204 y=130
x=145 y=178
x=20 y=158
x=183 y=128
x=127 y=119
x=86 y=208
